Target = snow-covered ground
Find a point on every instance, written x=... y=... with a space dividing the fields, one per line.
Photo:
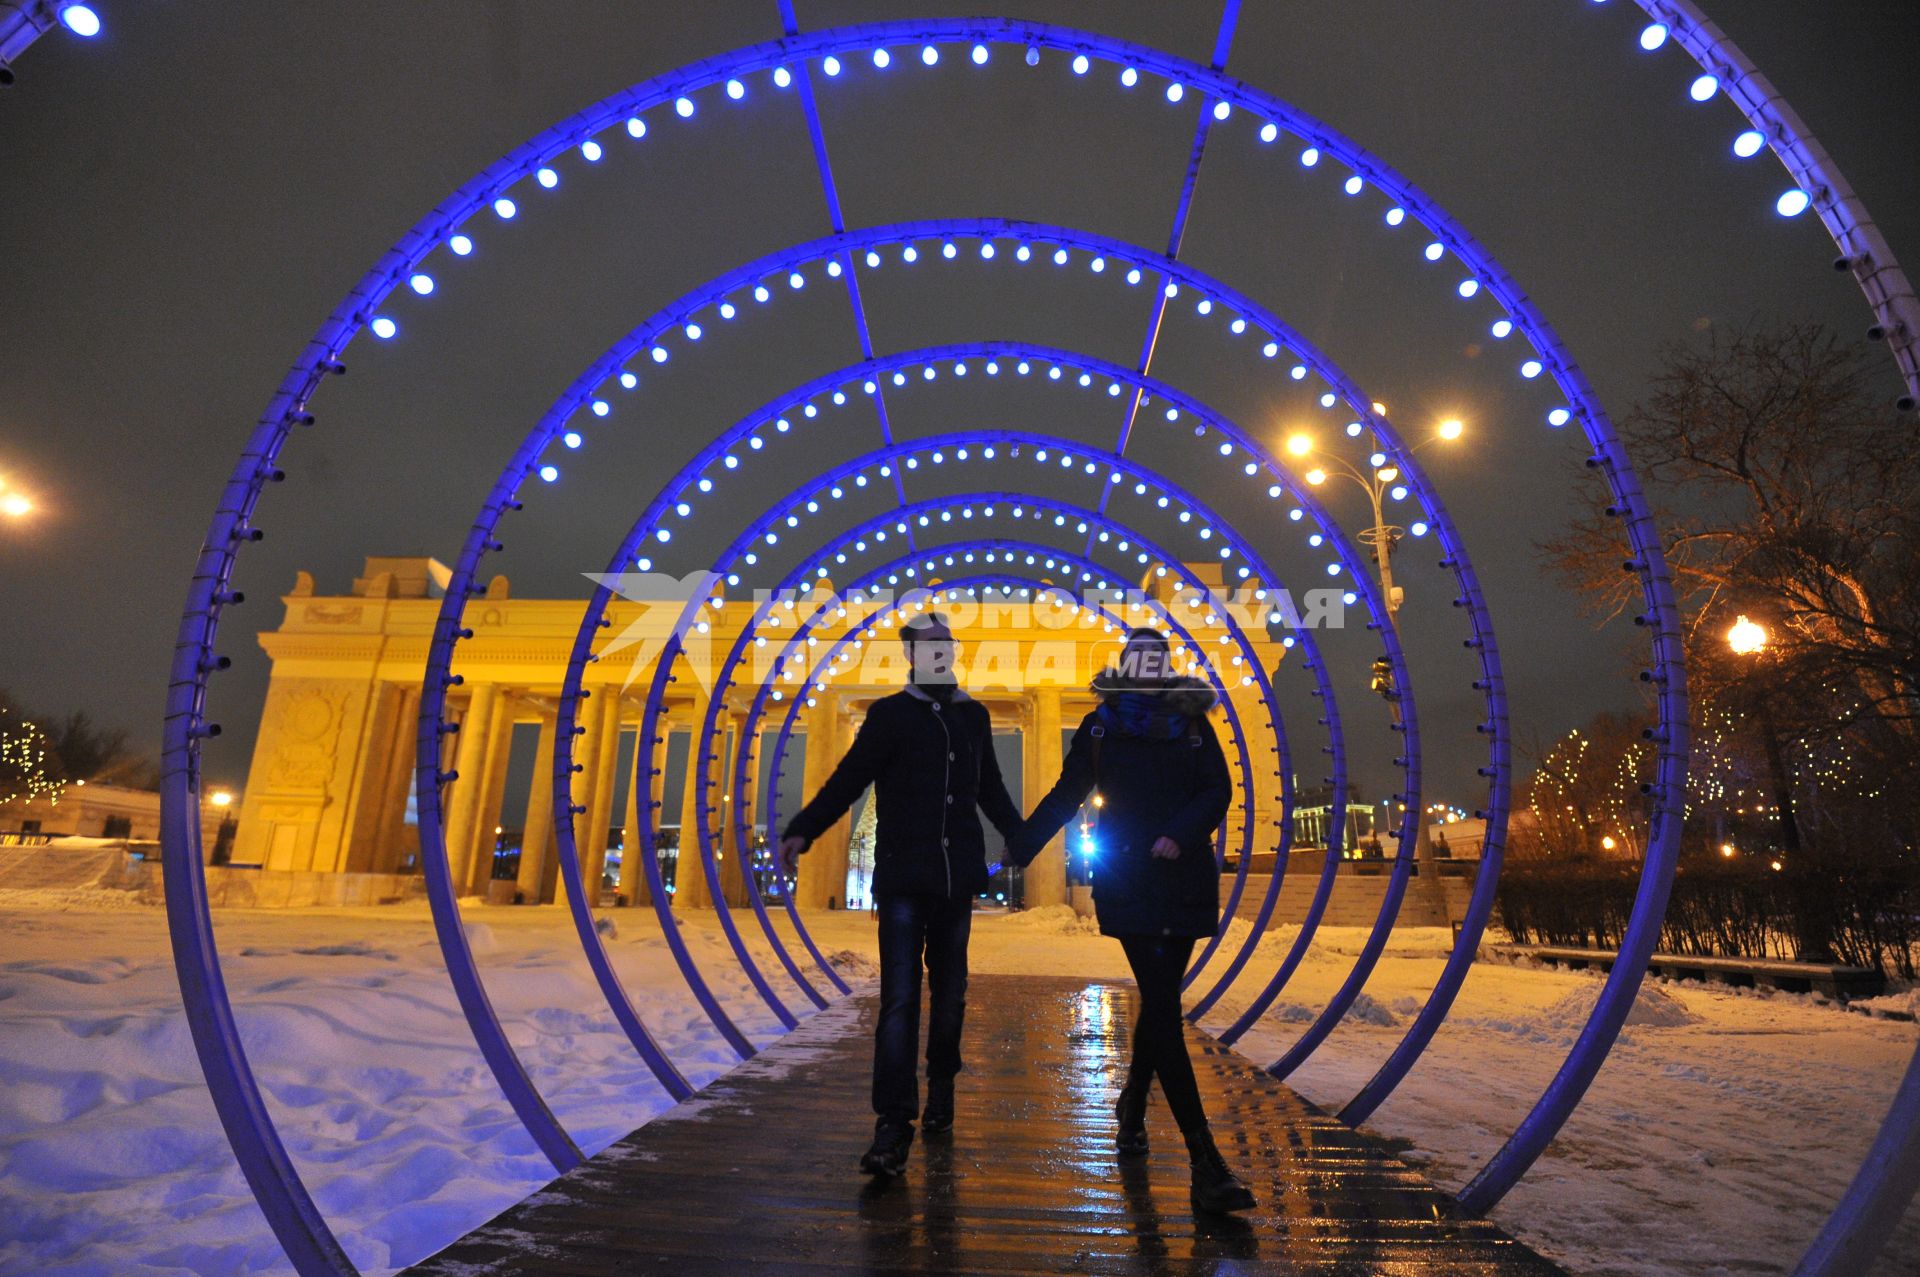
x=1714 y=1141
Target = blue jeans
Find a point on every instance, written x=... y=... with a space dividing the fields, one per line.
x=913 y=926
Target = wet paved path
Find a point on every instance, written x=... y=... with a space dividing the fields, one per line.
x=757 y=1173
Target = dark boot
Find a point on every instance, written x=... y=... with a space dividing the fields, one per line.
x=1130 y=1115
x=1215 y=1188
x=888 y=1153
x=937 y=1117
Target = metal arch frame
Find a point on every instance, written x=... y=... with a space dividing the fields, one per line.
x=1409 y=762
x=21 y=23
x=1088 y=566
x=235 y=1092
x=676 y=487
x=1008 y=575
x=882 y=457
x=1864 y=251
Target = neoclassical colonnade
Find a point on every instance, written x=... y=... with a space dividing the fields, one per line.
x=329 y=789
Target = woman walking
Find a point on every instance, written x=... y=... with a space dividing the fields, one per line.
x=1160 y=785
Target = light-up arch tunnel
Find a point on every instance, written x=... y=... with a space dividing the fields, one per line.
x=1002 y=536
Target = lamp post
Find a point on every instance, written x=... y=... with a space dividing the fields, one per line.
x=1749 y=639
x=1380 y=480
x=14 y=504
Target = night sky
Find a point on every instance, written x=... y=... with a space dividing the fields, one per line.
x=187 y=197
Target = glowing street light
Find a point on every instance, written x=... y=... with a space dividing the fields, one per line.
x=1300 y=444
x=1747 y=638
x=15 y=505
x=1452 y=428
x=1316 y=476
x=1727 y=849
x=1607 y=842
x=220 y=798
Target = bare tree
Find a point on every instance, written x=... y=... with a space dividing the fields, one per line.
x=1786 y=492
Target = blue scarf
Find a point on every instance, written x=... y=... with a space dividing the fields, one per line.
x=1144 y=714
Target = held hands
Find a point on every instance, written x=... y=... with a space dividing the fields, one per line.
x=792 y=847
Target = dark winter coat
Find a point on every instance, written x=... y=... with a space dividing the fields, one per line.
x=1175 y=786
x=930 y=766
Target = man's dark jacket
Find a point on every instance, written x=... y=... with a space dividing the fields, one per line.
x=1177 y=787
x=930 y=765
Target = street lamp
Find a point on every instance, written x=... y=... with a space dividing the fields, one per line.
x=1749 y=639
x=14 y=504
x=1382 y=477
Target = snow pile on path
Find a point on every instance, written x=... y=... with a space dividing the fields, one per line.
x=1652 y=1008
x=1051 y=920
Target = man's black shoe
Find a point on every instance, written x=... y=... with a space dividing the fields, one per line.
x=937 y=1117
x=888 y=1153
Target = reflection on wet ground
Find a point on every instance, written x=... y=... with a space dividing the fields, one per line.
x=757 y=1173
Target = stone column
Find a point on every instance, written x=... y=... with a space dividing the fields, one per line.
x=586 y=752
x=735 y=863
x=536 y=841
x=600 y=804
x=690 y=878
x=394 y=839
x=651 y=773
x=486 y=831
x=1046 y=877
x=463 y=798
x=817 y=881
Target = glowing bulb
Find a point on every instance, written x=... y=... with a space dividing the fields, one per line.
x=383 y=327
x=782 y=77
x=736 y=90
x=1080 y=64
x=1531 y=369
x=882 y=59
x=460 y=245
x=549 y=473
x=1748 y=144
x=1452 y=428
x=571 y=438
x=683 y=107
x=548 y=178
x=1310 y=157
x=1793 y=203
x=1129 y=78
x=1559 y=417
x=1468 y=287
x=1435 y=251
x=1300 y=444
x=80 y=20
x=636 y=128
x=979 y=55
x=422 y=284
x=1221 y=110
x=1269 y=131
x=1175 y=92
x=1355 y=185
x=1502 y=329
x=1316 y=476
x=929 y=54
x=1747 y=637
x=1653 y=36
x=1703 y=88
x=831 y=66
x=504 y=209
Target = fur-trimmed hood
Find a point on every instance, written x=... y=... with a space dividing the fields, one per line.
x=1182 y=694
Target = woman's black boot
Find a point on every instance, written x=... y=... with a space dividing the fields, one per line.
x=1215 y=1188
x=1130 y=1113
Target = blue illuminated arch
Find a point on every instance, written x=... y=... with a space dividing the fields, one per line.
x=235 y=1092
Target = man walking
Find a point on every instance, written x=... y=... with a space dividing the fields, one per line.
x=928 y=753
